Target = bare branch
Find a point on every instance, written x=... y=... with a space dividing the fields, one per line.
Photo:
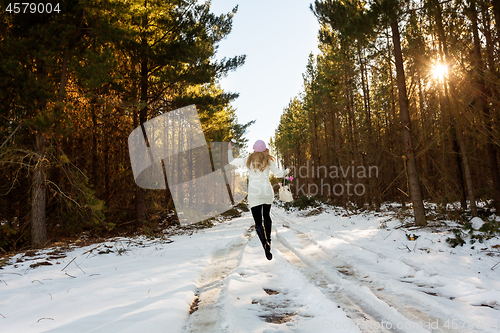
x=10 y=136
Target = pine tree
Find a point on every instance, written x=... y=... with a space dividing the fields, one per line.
x=353 y=21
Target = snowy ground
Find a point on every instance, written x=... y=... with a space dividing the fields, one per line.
x=330 y=273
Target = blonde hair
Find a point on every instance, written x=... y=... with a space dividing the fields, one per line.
x=260 y=160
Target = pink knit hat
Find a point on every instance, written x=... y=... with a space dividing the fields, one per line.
x=259 y=146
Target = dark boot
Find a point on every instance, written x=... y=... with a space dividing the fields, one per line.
x=262 y=236
x=267 y=228
x=267 y=250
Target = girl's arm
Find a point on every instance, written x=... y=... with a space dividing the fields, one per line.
x=277 y=171
x=235 y=161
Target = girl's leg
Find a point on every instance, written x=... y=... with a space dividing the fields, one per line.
x=257 y=216
x=266 y=209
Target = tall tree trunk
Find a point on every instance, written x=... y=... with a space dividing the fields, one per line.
x=415 y=192
x=374 y=193
x=392 y=140
x=94 y=152
x=348 y=105
x=140 y=195
x=467 y=171
x=105 y=153
x=315 y=149
x=457 y=129
x=491 y=148
x=329 y=135
x=39 y=190
x=39 y=196
x=459 y=170
x=494 y=81
x=423 y=115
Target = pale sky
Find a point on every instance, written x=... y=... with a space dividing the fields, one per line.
x=277 y=37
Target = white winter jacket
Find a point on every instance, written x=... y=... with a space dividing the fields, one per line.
x=260 y=190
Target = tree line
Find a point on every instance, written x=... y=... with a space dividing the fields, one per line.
x=411 y=87
x=73 y=86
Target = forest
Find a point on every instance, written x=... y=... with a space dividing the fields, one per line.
x=400 y=104
x=73 y=86
x=409 y=87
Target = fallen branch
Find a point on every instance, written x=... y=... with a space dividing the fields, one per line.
x=43 y=319
x=92 y=249
x=2 y=316
x=80 y=268
x=12 y=273
x=404 y=225
x=390 y=218
x=68 y=264
x=389 y=234
x=71 y=276
x=493 y=268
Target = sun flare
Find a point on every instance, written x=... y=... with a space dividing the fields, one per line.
x=439 y=71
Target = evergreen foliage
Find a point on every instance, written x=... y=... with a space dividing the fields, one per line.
x=352 y=108
x=73 y=86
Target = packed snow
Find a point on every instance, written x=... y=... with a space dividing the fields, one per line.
x=331 y=272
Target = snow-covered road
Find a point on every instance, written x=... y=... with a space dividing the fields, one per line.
x=330 y=273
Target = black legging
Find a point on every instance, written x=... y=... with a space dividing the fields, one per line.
x=259 y=213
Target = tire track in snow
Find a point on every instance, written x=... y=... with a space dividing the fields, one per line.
x=360 y=292
x=231 y=288
x=418 y=312
x=366 y=322
x=204 y=313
